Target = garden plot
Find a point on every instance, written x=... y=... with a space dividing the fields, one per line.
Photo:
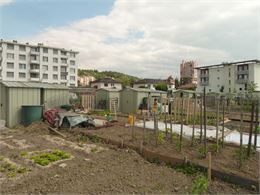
x=87 y=148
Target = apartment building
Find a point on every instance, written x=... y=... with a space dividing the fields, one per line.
x=37 y=63
x=188 y=73
x=231 y=77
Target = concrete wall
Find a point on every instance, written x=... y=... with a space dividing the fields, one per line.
x=109 y=86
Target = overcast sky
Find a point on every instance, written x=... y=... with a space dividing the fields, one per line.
x=146 y=38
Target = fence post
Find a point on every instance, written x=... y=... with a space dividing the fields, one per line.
x=201 y=118
x=223 y=121
x=209 y=167
x=256 y=124
x=251 y=128
x=217 y=121
x=181 y=123
x=205 y=120
x=194 y=113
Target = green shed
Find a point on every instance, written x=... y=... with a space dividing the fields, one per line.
x=133 y=99
x=103 y=97
x=14 y=95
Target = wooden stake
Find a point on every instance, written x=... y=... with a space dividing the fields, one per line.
x=201 y=119
x=133 y=127
x=194 y=113
x=181 y=123
x=170 y=104
x=223 y=121
x=205 y=120
x=251 y=129
x=217 y=124
x=144 y=129
x=209 y=167
x=256 y=124
x=241 y=133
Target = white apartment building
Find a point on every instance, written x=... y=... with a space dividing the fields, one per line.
x=229 y=77
x=37 y=63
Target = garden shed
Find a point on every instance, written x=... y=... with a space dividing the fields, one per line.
x=13 y=95
x=133 y=99
x=105 y=96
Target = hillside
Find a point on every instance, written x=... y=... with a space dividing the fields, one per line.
x=127 y=80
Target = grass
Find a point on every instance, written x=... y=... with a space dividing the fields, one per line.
x=23 y=153
x=46 y=158
x=95 y=139
x=188 y=169
x=200 y=185
x=94 y=149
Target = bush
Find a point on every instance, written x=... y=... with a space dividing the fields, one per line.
x=160 y=137
x=200 y=185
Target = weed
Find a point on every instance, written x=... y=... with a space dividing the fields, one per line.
x=202 y=152
x=95 y=139
x=146 y=140
x=215 y=148
x=2 y=158
x=82 y=138
x=200 y=185
x=188 y=169
x=160 y=137
x=22 y=170
x=178 y=146
x=11 y=174
x=241 y=156
x=23 y=153
x=94 y=149
x=44 y=159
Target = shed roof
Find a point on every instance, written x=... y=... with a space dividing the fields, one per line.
x=105 y=80
x=110 y=89
x=146 y=90
x=18 y=84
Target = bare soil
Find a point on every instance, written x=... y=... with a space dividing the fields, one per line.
x=102 y=170
x=225 y=160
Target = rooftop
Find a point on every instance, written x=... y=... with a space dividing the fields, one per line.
x=151 y=81
x=230 y=63
x=17 y=84
x=38 y=45
x=145 y=90
x=105 y=80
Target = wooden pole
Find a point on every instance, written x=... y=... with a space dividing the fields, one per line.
x=201 y=119
x=223 y=122
x=209 y=167
x=241 y=133
x=144 y=129
x=217 y=123
x=156 y=129
x=256 y=124
x=181 y=123
x=165 y=118
x=193 y=125
x=205 y=120
x=251 y=129
x=170 y=104
x=133 y=127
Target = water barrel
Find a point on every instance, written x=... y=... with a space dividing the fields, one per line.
x=31 y=113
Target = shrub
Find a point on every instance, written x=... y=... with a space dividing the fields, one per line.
x=188 y=169
x=200 y=185
x=202 y=152
x=160 y=137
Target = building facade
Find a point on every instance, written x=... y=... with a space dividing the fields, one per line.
x=188 y=73
x=85 y=80
x=106 y=83
x=151 y=83
x=37 y=63
x=229 y=77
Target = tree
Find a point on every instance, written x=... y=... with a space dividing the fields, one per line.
x=161 y=86
x=177 y=83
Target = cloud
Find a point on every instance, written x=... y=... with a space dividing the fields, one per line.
x=149 y=38
x=5 y=2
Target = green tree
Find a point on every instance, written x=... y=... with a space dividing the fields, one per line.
x=161 y=86
x=177 y=83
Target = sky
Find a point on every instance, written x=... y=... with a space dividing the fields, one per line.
x=145 y=38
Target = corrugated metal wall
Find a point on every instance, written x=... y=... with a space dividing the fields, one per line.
x=55 y=97
x=102 y=95
x=128 y=101
x=18 y=97
x=3 y=102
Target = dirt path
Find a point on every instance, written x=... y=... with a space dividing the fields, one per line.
x=102 y=170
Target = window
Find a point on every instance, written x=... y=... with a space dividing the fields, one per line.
x=34 y=75
x=45 y=59
x=63 y=77
x=22 y=57
x=218 y=78
x=63 y=69
x=229 y=90
x=10 y=74
x=112 y=84
x=72 y=55
x=45 y=76
x=72 y=70
x=55 y=68
x=45 y=50
x=10 y=65
x=55 y=51
x=45 y=68
x=35 y=49
x=106 y=84
x=22 y=66
x=9 y=55
x=72 y=62
x=22 y=75
x=55 y=60
x=55 y=77
x=34 y=57
x=72 y=78
x=229 y=82
x=240 y=89
x=22 y=48
x=10 y=46
x=209 y=90
x=63 y=61
x=63 y=53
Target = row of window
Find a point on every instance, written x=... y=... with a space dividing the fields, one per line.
x=44 y=58
x=10 y=65
x=35 y=75
x=37 y=49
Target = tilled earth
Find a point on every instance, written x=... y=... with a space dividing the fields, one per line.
x=94 y=168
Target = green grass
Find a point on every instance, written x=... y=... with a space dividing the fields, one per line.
x=200 y=185
x=11 y=170
x=23 y=153
x=46 y=158
x=188 y=169
x=94 y=149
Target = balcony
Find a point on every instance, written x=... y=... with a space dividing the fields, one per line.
x=242 y=72
x=204 y=83
x=34 y=79
x=35 y=61
x=242 y=81
x=33 y=52
x=35 y=70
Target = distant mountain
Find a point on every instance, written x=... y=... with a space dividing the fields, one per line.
x=126 y=79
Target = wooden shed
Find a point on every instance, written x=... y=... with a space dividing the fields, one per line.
x=105 y=96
